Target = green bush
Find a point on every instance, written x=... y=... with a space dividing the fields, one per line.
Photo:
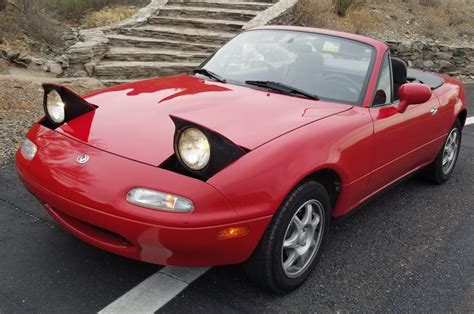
x=342 y=6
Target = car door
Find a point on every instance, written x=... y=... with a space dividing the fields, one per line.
x=401 y=140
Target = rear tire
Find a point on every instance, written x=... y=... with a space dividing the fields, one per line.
x=441 y=169
x=292 y=244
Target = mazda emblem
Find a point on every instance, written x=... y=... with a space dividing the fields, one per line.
x=82 y=159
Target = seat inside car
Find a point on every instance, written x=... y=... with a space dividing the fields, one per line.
x=307 y=69
x=399 y=72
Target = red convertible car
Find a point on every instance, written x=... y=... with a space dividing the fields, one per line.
x=246 y=160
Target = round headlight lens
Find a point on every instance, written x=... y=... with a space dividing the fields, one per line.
x=55 y=107
x=194 y=148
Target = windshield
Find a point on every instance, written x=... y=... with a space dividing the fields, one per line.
x=331 y=68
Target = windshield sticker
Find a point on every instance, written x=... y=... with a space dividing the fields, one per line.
x=331 y=46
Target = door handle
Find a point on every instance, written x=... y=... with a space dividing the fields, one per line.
x=434 y=110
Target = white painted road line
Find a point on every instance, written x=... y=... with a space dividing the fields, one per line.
x=155 y=291
x=470 y=120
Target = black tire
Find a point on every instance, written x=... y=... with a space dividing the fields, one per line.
x=265 y=267
x=435 y=171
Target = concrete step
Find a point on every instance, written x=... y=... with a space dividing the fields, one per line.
x=208 y=13
x=113 y=70
x=110 y=83
x=205 y=23
x=226 y=4
x=188 y=34
x=118 y=40
x=223 y=2
x=158 y=55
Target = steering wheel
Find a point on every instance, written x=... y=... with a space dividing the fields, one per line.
x=347 y=82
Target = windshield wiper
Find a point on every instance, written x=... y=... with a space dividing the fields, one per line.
x=210 y=74
x=283 y=88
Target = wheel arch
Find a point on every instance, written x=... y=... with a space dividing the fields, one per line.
x=331 y=181
x=462 y=116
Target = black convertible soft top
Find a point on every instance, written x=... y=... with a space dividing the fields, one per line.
x=432 y=80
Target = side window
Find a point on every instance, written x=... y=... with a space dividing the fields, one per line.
x=383 y=96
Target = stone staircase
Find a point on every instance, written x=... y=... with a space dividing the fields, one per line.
x=176 y=39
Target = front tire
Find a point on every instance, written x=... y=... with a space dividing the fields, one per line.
x=292 y=244
x=443 y=166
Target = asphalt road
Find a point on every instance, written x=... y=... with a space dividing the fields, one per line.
x=409 y=250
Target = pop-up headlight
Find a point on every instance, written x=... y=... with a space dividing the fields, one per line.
x=62 y=104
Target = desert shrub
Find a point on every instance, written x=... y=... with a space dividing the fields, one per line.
x=361 y=20
x=315 y=13
x=429 y=3
x=77 y=8
x=342 y=6
x=107 y=16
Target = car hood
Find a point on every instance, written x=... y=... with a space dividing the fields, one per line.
x=133 y=120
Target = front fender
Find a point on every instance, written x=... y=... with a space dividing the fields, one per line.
x=257 y=183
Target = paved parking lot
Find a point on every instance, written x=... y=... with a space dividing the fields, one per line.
x=410 y=249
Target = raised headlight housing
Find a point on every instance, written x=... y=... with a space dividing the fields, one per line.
x=62 y=105
x=200 y=152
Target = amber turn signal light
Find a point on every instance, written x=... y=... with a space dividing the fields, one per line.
x=233 y=232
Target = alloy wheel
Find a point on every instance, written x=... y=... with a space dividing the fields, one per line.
x=302 y=238
x=450 y=151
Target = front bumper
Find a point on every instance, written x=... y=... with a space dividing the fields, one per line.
x=89 y=201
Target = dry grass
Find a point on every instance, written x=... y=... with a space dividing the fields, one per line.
x=342 y=7
x=13 y=34
x=323 y=13
x=108 y=15
x=449 y=21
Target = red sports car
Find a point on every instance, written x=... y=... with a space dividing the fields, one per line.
x=247 y=159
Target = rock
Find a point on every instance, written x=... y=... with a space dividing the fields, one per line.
x=25 y=58
x=12 y=55
x=459 y=59
x=90 y=66
x=80 y=74
x=68 y=37
x=404 y=47
x=418 y=46
x=55 y=68
x=64 y=60
x=459 y=53
x=428 y=63
x=444 y=55
x=444 y=63
x=428 y=55
x=451 y=69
